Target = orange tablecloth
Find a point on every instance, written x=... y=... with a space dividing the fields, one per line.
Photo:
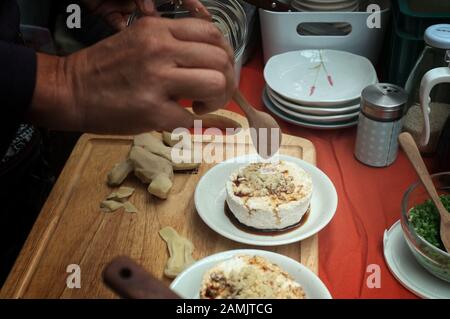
x=369 y=203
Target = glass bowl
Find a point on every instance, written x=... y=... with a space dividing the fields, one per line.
x=433 y=259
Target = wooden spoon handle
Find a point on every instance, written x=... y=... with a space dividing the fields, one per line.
x=240 y=99
x=412 y=152
x=131 y=281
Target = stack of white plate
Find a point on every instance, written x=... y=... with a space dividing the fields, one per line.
x=317 y=88
x=326 y=5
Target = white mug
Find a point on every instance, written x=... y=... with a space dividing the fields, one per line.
x=429 y=81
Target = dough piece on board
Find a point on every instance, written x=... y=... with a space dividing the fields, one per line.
x=110 y=205
x=170 y=140
x=180 y=251
x=153 y=144
x=153 y=169
x=122 y=194
x=129 y=208
x=119 y=172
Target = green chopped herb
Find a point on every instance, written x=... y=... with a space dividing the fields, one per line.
x=426 y=221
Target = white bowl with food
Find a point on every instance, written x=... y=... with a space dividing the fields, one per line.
x=249 y=274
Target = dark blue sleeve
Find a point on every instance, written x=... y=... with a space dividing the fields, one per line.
x=17 y=82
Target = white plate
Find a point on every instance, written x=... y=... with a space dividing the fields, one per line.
x=288 y=118
x=293 y=74
x=210 y=196
x=320 y=119
x=187 y=284
x=314 y=110
x=407 y=270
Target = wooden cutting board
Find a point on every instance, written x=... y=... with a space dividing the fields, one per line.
x=71 y=228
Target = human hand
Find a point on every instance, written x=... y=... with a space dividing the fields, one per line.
x=117 y=12
x=131 y=82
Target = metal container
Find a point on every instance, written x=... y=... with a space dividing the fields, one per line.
x=380 y=123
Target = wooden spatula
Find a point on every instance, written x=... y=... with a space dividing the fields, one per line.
x=129 y=280
x=260 y=120
x=412 y=152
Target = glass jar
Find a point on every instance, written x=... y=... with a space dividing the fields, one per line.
x=228 y=15
x=424 y=122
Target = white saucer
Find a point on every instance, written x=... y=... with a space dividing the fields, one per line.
x=187 y=284
x=293 y=74
x=407 y=271
x=210 y=196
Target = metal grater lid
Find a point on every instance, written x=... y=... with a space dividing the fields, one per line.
x=438 y=36
x=383 y=101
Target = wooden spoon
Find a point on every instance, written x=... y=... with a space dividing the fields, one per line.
x=131 y=281
x=258 y=120
x=409 y=146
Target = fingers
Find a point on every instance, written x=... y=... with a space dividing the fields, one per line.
x=201 y=55
x=209 y=87
x=196 y=30
x=195 y=84
x=205 y=56
x=203 y=63
x=201 y=108
x=114 y=13
x=172 y=116
x=213 y=94
x=147 y=7
x=197 y=9
x=116 y=20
